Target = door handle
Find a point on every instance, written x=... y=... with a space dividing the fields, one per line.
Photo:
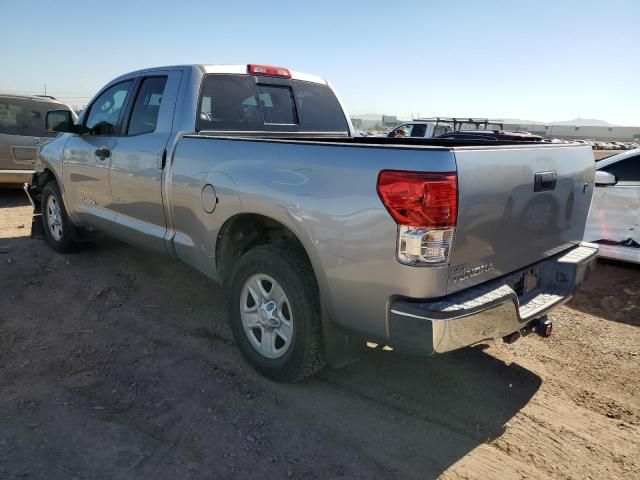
x=544 y=181
x=103 y=152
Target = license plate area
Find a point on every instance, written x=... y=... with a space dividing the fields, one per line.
x=527 y=281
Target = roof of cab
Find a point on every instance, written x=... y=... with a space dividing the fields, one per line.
x=239 y=69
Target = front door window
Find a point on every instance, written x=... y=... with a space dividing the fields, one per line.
x=104 y=114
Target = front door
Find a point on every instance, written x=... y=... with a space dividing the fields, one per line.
x=138 y=160
x=87 y=156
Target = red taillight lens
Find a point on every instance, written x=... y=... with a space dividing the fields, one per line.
x=268 y=70
x=420 y=199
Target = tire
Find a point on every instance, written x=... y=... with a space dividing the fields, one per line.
x=291 y=308
x=58 y=229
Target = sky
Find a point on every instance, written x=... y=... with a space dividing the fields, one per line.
x=537 y=60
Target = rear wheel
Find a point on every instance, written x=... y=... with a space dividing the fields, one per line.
x=275 y=312
x=58 y=228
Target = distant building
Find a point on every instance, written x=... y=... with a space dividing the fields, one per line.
x=578 y=132
x=357 y=123
x=389 y=120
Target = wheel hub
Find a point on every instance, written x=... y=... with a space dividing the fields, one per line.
x=268 y=314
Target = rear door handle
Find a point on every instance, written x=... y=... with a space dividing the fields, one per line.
x=545 y=181
x=103 y=152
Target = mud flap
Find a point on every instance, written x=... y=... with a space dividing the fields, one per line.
x=340 y=348
x=33 y=194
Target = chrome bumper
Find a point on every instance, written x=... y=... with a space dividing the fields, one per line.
x=491 y=310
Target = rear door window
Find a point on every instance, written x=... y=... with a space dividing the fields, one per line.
x=11 y=110
x=419 y=130
x=23 y=117
x=247 y=103
x=144 y=116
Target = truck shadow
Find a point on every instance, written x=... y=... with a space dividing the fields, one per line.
x=612 y=292
x=427 y=414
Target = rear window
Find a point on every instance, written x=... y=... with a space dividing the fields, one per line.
x=245 y=103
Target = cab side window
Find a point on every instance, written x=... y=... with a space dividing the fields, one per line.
x=104 y=113
x=627 y=170
x=144 y=116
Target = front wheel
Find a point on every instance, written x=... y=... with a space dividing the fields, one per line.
x=275 y=312
x=58 y=228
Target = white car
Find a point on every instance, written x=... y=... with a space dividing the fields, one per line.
x=614 y=218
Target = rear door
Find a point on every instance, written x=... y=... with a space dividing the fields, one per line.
x=517 y=206
x=87 y=157
x=21 y=126
x=138 y=160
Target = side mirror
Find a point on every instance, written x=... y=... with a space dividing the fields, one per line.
x=59 y=121
x=605 y=179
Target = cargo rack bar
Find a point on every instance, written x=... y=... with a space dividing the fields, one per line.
x=458 y=122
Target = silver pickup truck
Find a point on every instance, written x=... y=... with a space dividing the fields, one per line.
x=251 y=174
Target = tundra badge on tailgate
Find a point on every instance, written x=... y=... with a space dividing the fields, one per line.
x=465 y=271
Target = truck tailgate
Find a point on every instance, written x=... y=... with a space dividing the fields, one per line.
x=517 y=206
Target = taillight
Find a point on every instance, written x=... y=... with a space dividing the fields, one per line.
x=425 y=206
x=268 y=70
x=419 y=199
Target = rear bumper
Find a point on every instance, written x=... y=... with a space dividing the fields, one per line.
x=491 y=310
x=15 y=177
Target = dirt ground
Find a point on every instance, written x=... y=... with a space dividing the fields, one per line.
x=109 y=368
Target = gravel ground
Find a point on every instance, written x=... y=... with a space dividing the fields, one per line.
x=118 y=364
